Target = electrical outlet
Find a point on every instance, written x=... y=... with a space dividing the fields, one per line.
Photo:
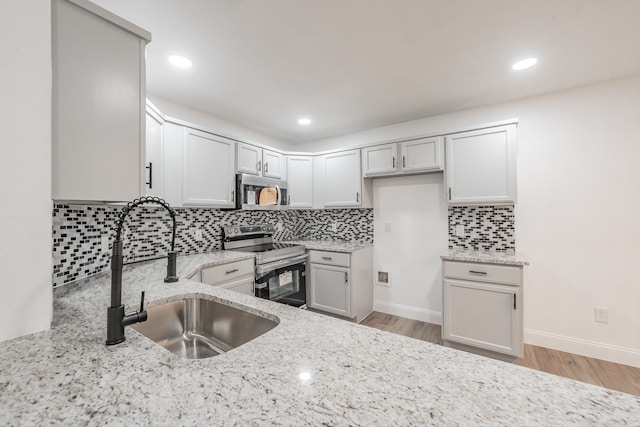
x=387 y=227
x=459 y=231
x=334 y=227
x=383 y=278
x=198 y=235
x=601 y=315
x=104 y=243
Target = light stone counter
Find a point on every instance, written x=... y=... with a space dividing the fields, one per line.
x=358 y=375
x=487 y=257
x=331 y=245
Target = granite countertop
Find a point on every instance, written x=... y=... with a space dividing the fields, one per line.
x=487 y=257
x=358 y=375
x=331 y=245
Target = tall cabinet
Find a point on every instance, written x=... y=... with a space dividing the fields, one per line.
x=98 y=123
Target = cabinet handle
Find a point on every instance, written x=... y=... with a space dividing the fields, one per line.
x=150 y=167
x=357 y=197
x=259 y=165
x=484 y=273
x=233 y=196
x=266 y=168
x=232 y=271
x=288 y=199
x=346 y=277
x=327 y=258
x=514 y=301
x=394 y=163
x=404 y=162
x=449 y=193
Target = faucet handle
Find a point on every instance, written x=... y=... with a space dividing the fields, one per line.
x=142 y=302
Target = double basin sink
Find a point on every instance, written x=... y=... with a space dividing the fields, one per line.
x=197 y=328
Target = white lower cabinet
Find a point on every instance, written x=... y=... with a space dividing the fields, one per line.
x=341 y=283
x=236 y=276
x=483 y=307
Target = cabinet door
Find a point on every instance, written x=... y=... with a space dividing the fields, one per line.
x=483 y=315
x=343 y=179
x=274 y=164
x=330 y=289
x=300 y=182
x=249 y=159
x=173 y=139
x=422 y=154
x=98 y=85
x=481 y=166
x=154 y=155
x=208 y=176
x=380 y=159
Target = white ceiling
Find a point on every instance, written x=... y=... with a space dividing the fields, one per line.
x=351 y=65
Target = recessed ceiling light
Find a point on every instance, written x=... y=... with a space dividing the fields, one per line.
x=180 y=61
x=304 y=121
x=525 y=63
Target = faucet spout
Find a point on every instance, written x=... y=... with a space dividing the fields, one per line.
x=116 y=317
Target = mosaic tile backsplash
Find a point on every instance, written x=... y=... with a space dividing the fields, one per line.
x=485 y=228
x=78 y=232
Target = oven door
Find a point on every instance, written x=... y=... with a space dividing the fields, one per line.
x=283 y=281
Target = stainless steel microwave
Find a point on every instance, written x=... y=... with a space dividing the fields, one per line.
x=260 y=193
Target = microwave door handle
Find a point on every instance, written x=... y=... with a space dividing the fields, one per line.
x=265 y=268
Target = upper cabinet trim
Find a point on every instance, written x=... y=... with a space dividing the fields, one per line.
x=113 y=18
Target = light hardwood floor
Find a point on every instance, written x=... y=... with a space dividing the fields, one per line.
x=593 y=371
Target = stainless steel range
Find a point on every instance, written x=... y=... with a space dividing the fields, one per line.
x=280 y=267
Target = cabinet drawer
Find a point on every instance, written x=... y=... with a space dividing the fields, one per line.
x=482 y=272
x=225 y=272
x=330 y=258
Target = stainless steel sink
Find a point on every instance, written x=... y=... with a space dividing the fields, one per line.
x=196 y=328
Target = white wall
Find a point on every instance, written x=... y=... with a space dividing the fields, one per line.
x=25 y=168
x=414 y=211
x=216 y=124
x=578 y=213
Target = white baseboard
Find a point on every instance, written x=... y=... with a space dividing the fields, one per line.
x=409 y=312
x=597 y=350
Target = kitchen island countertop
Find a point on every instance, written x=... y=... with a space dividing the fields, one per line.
x=357 y=375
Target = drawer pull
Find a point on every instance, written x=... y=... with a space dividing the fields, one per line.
x=514 y=301
x=327 y=258
x=232 y=271
x=484 y=273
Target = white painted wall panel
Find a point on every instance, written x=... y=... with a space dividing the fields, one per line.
x=25 y=168
x=414 y=211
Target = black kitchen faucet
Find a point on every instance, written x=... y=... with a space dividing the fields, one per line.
x=116 y=318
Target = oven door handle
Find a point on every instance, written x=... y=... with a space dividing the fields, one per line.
x=267 y=268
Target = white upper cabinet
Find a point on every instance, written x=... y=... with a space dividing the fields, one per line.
x=154 y=174
x=343 y=179
x=98 y=138
x=424 y=154
x=300 y=182
x=481 y=166
x=414 y=156
x=261 y=162
x=208 y=176
x=274 y=164
x=380 y=159
x=249 y=159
